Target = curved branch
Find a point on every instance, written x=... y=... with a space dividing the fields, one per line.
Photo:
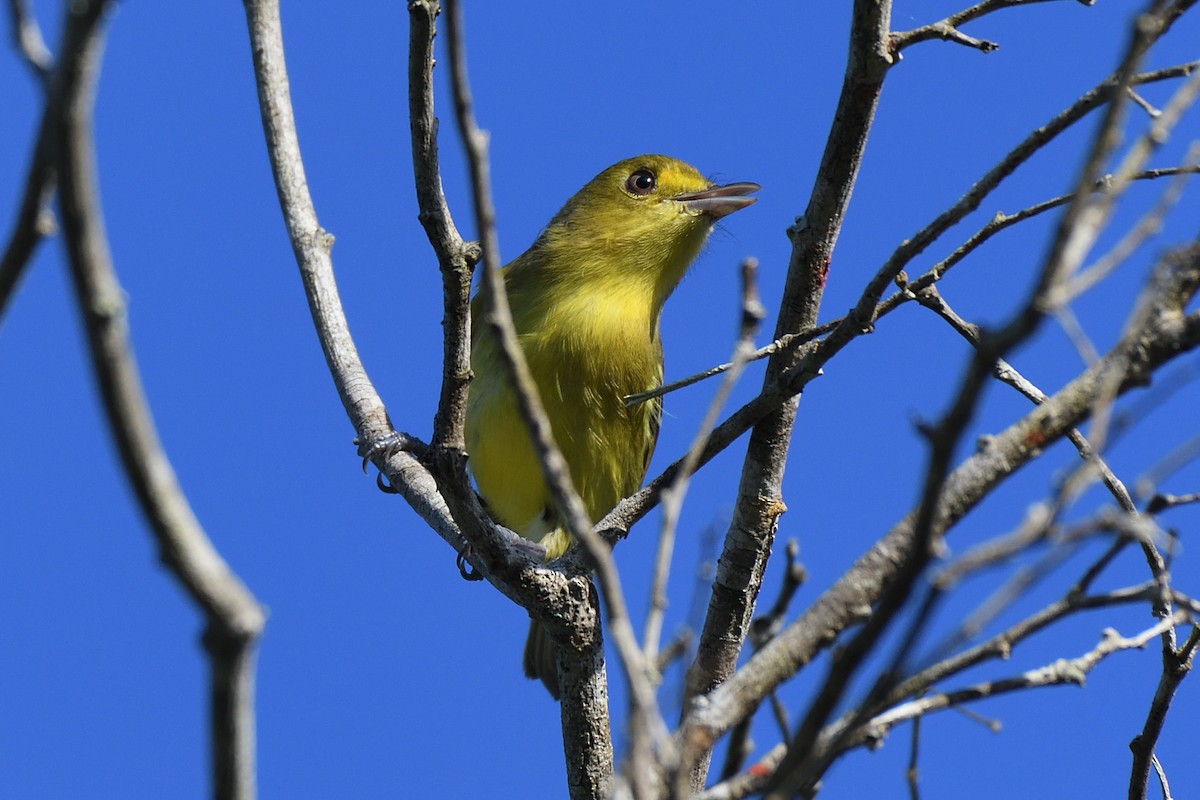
x=312 y=245
x=234 y=617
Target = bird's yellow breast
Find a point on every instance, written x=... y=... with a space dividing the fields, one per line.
x=586 y=352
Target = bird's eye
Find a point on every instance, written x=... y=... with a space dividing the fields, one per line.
x=641 y=182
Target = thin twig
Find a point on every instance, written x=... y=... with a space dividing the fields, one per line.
x=35 y=219
x=1061 y=672
x=763 y=629
x=1006 y=373
x=1161 y=502
x=455 y=257
x=1180 y=456
x=1087 y=214
x=27 y=36
x=1162 y=777
x=999 y=222
x=947 y=28
x=868 y=307
x=1176 y=665
x=1142 y=102
x=750 y=318
x=1149 y=225
x=912 y=774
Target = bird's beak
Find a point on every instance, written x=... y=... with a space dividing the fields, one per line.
x=718 y=201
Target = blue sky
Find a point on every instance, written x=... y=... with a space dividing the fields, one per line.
x=381 y=673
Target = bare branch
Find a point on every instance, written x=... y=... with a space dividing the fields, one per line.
x=455 y=258
x=751 y=317
x=1061 y=672
x=310 y=242
x=788 y=340
x=234 y=618
x=1086 y=214
x=1149 y=225
x=850 y=599
x=1142 y=102
x=759 y=505
x=1161 y=502
x=947 y=29
x=35 y=219
x=802 y=766
x=1176 y=665
x=27 y=35
x=1002 y=645
x=1162 y=777
x=1005 y=372
x=749 y=782
x=912 y=773
x=763 y=629
x=869 y=308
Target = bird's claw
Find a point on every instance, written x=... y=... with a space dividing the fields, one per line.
x=386 y=446
x=468 y=572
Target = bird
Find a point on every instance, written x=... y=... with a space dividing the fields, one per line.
x=586 y=299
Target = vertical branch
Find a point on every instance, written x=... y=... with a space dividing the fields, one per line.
x=1177 y=663
x=455 y=258
x=234 y=618
x=759 y=505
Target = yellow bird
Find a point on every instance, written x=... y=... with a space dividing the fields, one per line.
x=586 y=299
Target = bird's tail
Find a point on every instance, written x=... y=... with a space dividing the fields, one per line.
x=541 y=659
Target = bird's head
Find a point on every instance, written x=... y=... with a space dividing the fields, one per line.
x=645 y=217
